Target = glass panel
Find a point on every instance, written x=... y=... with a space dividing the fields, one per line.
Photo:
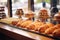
x=38 y=4
x=19 y=4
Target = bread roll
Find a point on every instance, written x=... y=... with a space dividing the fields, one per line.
x=56 y=33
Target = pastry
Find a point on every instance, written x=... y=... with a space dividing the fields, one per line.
x=14 y=22
x=51 y=29
x=26 y=23
x=43 y=28
x=35 y=25
x=56 y=33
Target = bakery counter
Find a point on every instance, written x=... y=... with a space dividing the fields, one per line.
x=14 y=35
x=8 y=35
x=26 y=34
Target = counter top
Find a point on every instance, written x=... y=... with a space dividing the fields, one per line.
x=25 y=33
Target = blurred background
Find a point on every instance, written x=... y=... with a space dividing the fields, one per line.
x=23 y=4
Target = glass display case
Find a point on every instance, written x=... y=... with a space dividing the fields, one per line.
x=36 y=29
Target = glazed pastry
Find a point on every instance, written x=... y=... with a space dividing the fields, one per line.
x=31 y=27
x=50 y=24
x=51 y=29
x=57 y=25
x=35 y=25
x=43 y=28
x=19 y=12
x=30 y=14
x=26 y=23
x=56 y=33
x=57 y=17
x=43 y=14
x=19 y=23
x=14 y=22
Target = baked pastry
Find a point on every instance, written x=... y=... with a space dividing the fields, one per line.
x=57 y=25
x=19 y=12
x=57 y=17
x=56 y=33
x=30 y=14
x=43 y=14
x=19 y=23
x=35 y=25
x=14 y=22
x=43 y=28
x=50 y=24
x=51 y=29
x=26 y=23
x=31 y=27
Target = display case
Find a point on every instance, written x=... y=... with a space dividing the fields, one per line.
x=12 y=26
x=30 y=35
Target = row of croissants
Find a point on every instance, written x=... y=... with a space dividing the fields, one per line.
x=41 y=27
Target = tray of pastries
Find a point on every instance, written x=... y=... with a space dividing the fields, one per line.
x=45 y=29
x=38 y=27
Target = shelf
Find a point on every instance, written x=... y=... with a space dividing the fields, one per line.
x=27 y=33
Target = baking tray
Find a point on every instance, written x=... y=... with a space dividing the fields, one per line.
x=55 y=38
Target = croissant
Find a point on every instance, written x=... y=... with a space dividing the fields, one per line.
x=19 y=23
x=56 y=33
x=31 y=27
x=51 y=29
x=57 y=25
x=35 y=25
x=50 y=24
x=26 y=23
x=14 y=22
x=43 y=28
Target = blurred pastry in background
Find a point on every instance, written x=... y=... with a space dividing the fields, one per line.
x=57 y=18
x=43 y=15
x=19 y=13
x=29 y=15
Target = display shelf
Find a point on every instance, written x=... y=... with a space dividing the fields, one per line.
x=25 y=32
